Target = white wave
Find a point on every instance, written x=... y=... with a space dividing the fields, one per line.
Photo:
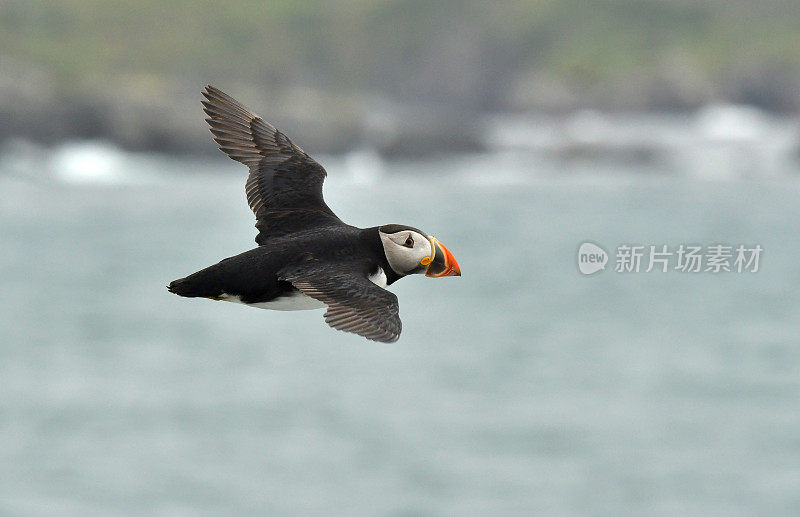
x=718 y=141
x=732 y=123
x=364 y=166
x=89 y=162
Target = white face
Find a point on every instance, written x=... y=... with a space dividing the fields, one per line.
x=404 y=251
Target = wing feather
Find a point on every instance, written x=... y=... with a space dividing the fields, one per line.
x=284 y=188
x=354 y=303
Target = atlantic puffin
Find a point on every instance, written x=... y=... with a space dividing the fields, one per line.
x=307 y=258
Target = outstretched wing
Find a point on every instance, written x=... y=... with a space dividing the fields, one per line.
x=284 y=188
x=355 y=304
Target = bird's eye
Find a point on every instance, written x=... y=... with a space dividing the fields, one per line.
x=409 y=242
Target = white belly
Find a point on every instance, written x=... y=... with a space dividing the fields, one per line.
x=296 y=301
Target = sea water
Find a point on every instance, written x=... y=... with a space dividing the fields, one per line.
x=521 y=388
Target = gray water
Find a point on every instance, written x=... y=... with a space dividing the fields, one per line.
x=520 y=388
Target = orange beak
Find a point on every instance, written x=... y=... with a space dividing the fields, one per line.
x=441 y=262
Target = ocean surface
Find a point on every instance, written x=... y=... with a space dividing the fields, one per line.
x=521 y=388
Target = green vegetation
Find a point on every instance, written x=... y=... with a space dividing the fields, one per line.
x=333 y=72
x=474 y=53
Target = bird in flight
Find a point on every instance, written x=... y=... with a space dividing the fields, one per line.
x=307 y=258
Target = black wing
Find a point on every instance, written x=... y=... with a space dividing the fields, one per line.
x=355 y=304
x=284 y=188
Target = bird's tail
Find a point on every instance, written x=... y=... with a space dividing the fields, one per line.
x=196 y=285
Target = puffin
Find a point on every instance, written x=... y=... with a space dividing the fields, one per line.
x=307 y=258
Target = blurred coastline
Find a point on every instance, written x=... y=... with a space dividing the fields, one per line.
x=400 y=78
x=718 y=142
